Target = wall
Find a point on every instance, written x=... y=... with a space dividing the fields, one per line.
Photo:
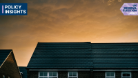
x=10 y=68
x=32 y=74
x=83 y=74
x=134 y=74
x=61 y=74
x=98 y=74
x=101 y=74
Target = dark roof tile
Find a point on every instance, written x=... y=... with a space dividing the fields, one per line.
x=85 y=55
x=3 y=55
x=62 y=55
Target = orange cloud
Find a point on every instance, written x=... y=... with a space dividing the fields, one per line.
x=66 y=21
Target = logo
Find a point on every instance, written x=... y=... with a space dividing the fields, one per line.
x=13 y=8
x=129 y=8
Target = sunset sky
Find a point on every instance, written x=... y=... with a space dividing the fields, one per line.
x=96 y=21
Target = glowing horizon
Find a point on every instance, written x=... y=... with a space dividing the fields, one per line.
x=95 y=21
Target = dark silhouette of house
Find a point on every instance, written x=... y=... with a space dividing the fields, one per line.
x=84 y=60
x=23 y=72
x=8 y=65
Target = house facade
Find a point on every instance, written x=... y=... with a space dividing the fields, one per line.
x=23 y=71
x=84 y=60
x=8 y=65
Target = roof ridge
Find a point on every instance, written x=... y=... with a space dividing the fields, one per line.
x=116 y=43
x=5 y=49
x=64 y=42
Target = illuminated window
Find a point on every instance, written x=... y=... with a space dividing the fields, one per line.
x=126 y=74
x=72 y=74
x=48 y=75
x=109 y=74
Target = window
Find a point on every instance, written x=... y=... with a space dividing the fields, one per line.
x=109 y=74
x=48 y=75
x=72 y=74
x=3 y=76
x=126 y=74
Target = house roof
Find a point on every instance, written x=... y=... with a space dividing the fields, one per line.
x=62 y=55
x=24 y=71
x=3 y=55
x=115 y=55
x=85 y=55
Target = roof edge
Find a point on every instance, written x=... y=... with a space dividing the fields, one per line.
x=6 y=58
x=64 y=42
x=113 y=42
x=6 y=49
x=89 y=42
